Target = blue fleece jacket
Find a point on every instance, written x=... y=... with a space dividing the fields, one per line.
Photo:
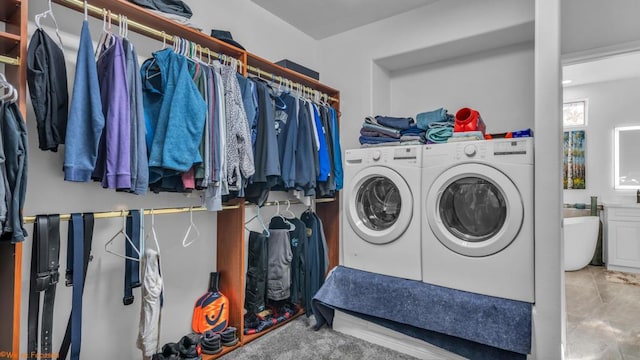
x=86 y=119
x=175 y=114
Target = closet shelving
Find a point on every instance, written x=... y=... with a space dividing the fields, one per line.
x=13 y=51
x=230 y=236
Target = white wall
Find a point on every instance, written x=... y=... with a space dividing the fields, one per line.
x=608 y=107
x=109 y=325
x=596 y=24
x=497 y=83
x=356 y=61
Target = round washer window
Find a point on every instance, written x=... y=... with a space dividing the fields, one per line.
x=473 y=209
x=378 y=203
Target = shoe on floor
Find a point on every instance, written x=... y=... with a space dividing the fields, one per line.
x=229 y=336
x=189 y=347
x=210 y=343
x=169 y=352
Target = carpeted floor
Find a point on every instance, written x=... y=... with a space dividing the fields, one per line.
x=299 y=341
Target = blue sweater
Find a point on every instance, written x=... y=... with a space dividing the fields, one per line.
x=86 y=119
x=175 y=114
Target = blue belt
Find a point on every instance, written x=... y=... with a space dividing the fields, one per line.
x=79 y=238
x=131 y=267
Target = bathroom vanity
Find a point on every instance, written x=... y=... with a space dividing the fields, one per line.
x=621 y=250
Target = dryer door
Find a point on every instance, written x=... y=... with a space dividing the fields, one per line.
x=474 y=209
x=379 y=205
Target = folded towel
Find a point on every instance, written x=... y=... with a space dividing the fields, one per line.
x=411 y=138
x=439 y=135
x=374 y=133
x=395 y=122
x=376 y=140
x=424 y=119
x=477 y=134
x=412 y=130
x=381 y=129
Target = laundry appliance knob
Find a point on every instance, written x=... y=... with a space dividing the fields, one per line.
x=376 y=155
x=470 y=150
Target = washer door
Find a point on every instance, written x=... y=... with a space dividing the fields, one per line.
x=474 y=210
x=380 y=205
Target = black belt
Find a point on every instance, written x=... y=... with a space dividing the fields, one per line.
x=45 y=256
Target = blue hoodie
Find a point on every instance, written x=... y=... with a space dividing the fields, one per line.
x=175 y=114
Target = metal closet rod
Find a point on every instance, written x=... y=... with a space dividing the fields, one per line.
x=164 y=211
x=136 y=25
x=120 y=213
x=278 y=78
x=9 y=60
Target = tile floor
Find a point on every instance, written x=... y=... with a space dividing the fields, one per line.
x=603 y=318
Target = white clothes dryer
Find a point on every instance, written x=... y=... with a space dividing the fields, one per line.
x=381 y=206
x=477 y=209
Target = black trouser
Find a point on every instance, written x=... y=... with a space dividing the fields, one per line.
x=256 y=273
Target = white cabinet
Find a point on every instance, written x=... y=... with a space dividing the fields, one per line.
x=622 y=231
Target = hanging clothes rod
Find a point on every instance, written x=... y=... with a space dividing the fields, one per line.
x=9 y=60
x=115 y=214
x=292 y=202
x=136 y=25
x=286 y=81
x=165 y=211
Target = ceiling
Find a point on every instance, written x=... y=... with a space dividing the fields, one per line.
x=321 y=19
x=611 y=68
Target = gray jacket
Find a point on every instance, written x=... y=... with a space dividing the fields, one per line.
x=279 y=272
x=239 y=152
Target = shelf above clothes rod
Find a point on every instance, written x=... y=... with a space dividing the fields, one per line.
x=165 y=28
x=120 y=213
x=9 y=60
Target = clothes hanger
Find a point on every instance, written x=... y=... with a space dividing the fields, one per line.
x=288 y=209
x=10 y=93
x=122 y=232
x=44 y=15
x=153 y=231
x=192 y=227
x=284 y=219
x=265 y=228
x=106 y=38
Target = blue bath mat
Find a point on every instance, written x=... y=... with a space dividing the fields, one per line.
x=439 y=315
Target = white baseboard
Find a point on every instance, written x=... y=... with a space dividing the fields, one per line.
x=394 y=340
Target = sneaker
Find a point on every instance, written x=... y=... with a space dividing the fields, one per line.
x=229 y=336
x=210 y=343
x=189 y=347
x=169 y=352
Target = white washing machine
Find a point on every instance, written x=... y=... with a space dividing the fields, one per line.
x=477 y=210
x=381 y=206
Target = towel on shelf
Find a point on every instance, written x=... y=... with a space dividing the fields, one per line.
x=395 y=122
x=373 y=133
x=377 y=140
x=381 y=129
x=439 y=115
x=412 y=131
x=466 y=136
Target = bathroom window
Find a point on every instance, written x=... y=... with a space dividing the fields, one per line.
x=574 y=113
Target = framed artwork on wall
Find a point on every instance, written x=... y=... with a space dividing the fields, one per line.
x=573 y=176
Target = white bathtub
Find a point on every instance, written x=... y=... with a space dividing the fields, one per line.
x=580 y=239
